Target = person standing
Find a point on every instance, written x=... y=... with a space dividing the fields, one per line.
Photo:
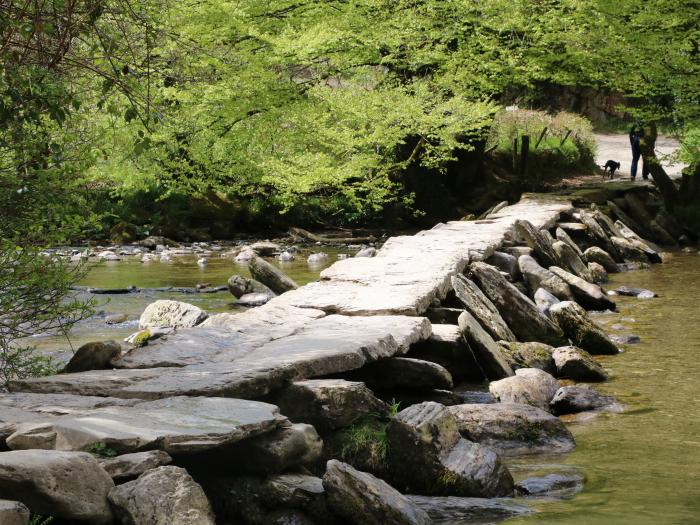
x=635 y=142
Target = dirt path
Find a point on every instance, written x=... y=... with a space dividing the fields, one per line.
x=617 y=147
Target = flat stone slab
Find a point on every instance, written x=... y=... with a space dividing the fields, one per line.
x=328 y=345
x=175 y=425
x=408 y=272
x=221 y=338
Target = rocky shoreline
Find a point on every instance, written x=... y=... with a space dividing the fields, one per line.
x=340 y=401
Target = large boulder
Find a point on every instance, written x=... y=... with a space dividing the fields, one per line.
x=651 y=250
x=481 y=308
x=424 y=439
x=581 y=330
x=628 y=251
x=528 y=355
x=523 y=317
x=359 y=497
x=450 y=510
x=512 y=429
x=587 y=294
x=581 y=398
x=537 y=277
x=565 y=237
x=594 y=254
x=328 y=404
x=577 y=364
x=162 y=496
x=293 y=445
x=94 y=356
x=571 y=260
x=165 y=313
x=529 y=386
x=240 y=286
x=13 y=513
x=129 y=466
x=66 y=485
x=539 y=242
x=506 y=263
x=403 y=372
x=274 y=279
x=487 y=352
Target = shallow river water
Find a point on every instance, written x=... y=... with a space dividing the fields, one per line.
x=643 y=466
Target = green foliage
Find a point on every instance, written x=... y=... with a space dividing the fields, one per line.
x=101 y=450
x=38 y=519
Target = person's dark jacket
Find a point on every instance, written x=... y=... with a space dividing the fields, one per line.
x=636 y=135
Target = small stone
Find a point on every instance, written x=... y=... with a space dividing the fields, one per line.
x=544 y=300
x=600 y=256
x=577 y=364
x=528 y=355
x=165 y=313
x=367 y=252
x=94 y=356
x=116 y=318
x=580 y=398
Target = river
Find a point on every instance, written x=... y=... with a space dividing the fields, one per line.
x=643 y=466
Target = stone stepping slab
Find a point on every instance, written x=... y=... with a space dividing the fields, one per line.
x=328 y=345
x=176 y=425
x=408 y=272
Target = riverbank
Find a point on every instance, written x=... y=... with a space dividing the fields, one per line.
x=381 y=300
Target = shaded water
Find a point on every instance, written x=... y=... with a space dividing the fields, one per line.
x=181 y=271
x=643 y=466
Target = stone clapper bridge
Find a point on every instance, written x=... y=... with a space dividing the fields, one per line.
x=196 y=389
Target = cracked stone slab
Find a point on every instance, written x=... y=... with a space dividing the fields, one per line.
x=175 y=425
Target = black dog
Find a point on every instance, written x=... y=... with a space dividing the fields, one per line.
x=610 y=167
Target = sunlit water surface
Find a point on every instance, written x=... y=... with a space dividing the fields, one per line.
x=643 y=466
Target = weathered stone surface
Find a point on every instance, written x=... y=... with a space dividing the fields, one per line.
x=556 y=485
x=577 y=364
x=265 y=248
x=628 y=251
x=600 y=256
x=298 y=491
x=359 y=497
x=406 y=397
x=598 y=274
x=409 y=272
x=518 y=251
x=528 y=355
x=522 y=315
x=506 y=263
x=537 y=277
x=403 y=372
x=133 y=465
x=581 y=329
x=176 y=425
x=606 y=223
x=450 y=510
x=581 y=398
x=274 y=279
x=67 y=485
x=512 y=429
x=623 y=217
x=254 y=299
x=162 y=496
x=165 y=313
x=544 y=300
x=292 y=445
x=660 y=235
x=640 y=293
x=651 y=250
x=488 y=354
x=529 y=386
x=424 y=438
x=565 y=237
x=13 y=513
x=329 y=345
x=587 y=294
x=447 y=347
x=328 y=404
x=94 y=356
x=572 y=261
x=442 y=315
x=538 y=242
x=598 y=233
x=240 y=286
x=481 y=308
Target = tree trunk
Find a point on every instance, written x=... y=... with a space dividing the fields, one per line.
x=668 y=189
